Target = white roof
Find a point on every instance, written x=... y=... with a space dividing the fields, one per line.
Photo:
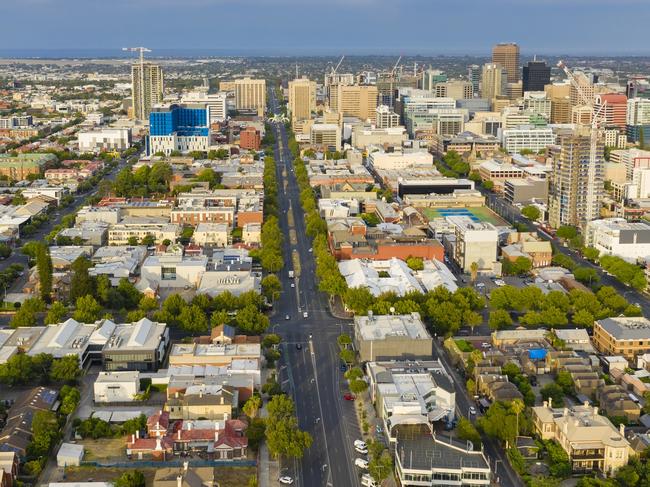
x=70 y=450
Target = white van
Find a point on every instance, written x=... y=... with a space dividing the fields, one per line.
x=368 y=481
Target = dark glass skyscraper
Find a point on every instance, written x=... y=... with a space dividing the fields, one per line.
x=536 y=75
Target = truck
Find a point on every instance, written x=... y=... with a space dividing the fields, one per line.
x=290 y=274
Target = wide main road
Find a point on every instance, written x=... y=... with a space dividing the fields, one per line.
x=309 y=367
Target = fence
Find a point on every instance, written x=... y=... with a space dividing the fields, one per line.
x=173 y=463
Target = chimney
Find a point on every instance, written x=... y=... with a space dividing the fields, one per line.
x=545 y=403
x=225 y=416
x=158 y=444
x=550 y=403
x=595 y=410
x=179 y=480
x=132 y=438
x=586 y=404
x=185 y=466
x=189 y=426
x=621 y=429
x=137 y=433
x=201 y=393
x=179 y=434
x=176 y=394
x=216 y=435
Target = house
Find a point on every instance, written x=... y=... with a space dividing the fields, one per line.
x=203 y=401
x=615 y=401
x=70 y=454
x=185 y=477
x=9 y=463
x=575 y=339
x=590 y=440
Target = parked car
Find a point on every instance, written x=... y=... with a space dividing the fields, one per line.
x=348 y=396
x=361 y=463
x=360 y=444
x=363 y=451
x=286 y=480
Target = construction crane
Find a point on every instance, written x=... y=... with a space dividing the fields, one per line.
x=392 y=79
x=141 y=50
x=597 y=120
x=334 y=70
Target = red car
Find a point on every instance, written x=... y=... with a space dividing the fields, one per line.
x=348 y=397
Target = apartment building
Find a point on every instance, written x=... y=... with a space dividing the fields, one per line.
x=475 y=242
x=617 y=236
x=147 y=88
x=358 y=101
x=302 y=99
x=140 y=227
x=528 y=137
x=250 y=94
x=385 y=117
x=626 y=336
x=573 y=198
x=590 y=440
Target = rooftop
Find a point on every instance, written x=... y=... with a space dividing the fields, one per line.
x=426 y=453
x=386 y=326
x=627 y=328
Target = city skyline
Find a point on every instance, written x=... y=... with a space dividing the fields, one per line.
x=471 y=28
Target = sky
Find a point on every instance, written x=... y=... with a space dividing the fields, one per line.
x=329 y=27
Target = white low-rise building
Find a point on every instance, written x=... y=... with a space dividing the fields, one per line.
x=173 y=270
x=252 y=234
x=399 y=159
x=112 y=387
x=104 y=139
x=140 y=227
x=216 y=234
x=527 y=138
x=616 y=236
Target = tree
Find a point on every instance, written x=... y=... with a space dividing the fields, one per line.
x=88 y=310
x=103 y=289
x=251 y=321
x=271 y=287
x=133 y=241
x=26 y=315
x=590 y=253
x=517 y=406
x=357 y=386
x=466 y=431
x=283 y=437
x=583 y=318
x=553 y=391
x=499 y=422
x=499 y=319
x=45 y=433
x=359 y=300
x=147 y=304
x=17 y=370
x=353 y=373
x=415 y=263
x=586 y=275
x=5 y=250
x=44 y=267
x=347 y=356
x=70 y=398
x=473 y=268
x=380 y=467
x=56 y=313
x=193 y=320
x=531 y=212
x=344 y=340
x=252 y=406
x=81 y=284
x=65 y=369
x=567 y=232
x=565 y=381
x=130 y=295
x=130 y=478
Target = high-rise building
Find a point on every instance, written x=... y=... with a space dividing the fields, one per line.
x=302 y=98
x=215 y=104
x=326 y=136
x=613 y=109
x=586 y=87
x=494 y=81
x=250 y=94
x=536 y=75
x=147 y=88
x=474 y=76
x=560 y=103
x=354 y=101
x=573 y=199
x=637 y=87
x=181 y=128
x=385 y=117
x=538 y=102
x=429 y=78
x=507 y=55
x=456 y=89
x=638 y=119
x=334 y=79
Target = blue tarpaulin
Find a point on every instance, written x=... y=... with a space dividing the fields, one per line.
x=537 y=354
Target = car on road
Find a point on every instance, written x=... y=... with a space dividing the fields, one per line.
x=361 y=463
x=348 y=396
x=286 y=317
x=499 y=282
x=305 y=314
x=286 y=480
x=379 y=429
x=298 y=346
x=472 y=410
x=310 y=249
x=293 y=284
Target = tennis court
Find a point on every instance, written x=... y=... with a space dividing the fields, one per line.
x=481 y=214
